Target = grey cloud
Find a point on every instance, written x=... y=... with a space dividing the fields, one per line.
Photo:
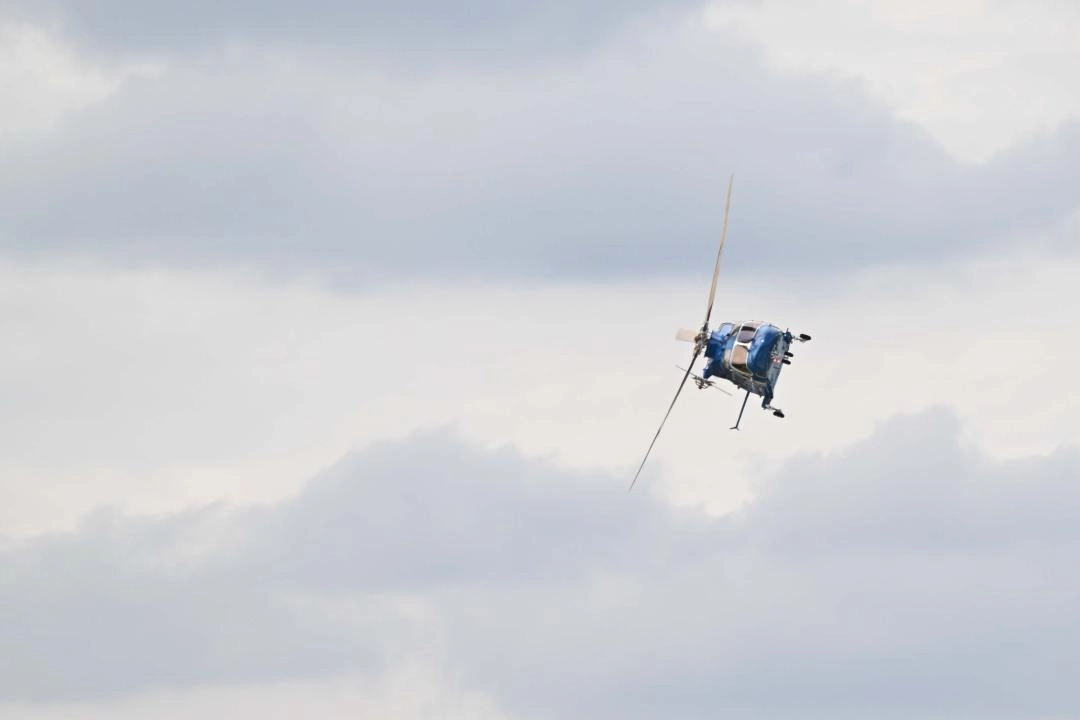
x=982 y=507
x=304 y=588
x=489 y=520
x=907 y=575
x=609 y=167
x=612 y=166
x=415 y=32
x=116 y=608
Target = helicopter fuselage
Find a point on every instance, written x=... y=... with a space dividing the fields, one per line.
x=748 y=354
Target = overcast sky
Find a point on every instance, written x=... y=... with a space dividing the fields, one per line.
x=335 y=331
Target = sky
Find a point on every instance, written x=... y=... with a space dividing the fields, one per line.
x=335 y=333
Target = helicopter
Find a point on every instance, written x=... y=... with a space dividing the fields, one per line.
x=748 y=354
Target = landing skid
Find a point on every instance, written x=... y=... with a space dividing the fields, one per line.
x=775 y=411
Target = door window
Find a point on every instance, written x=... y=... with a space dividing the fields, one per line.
x=740 y=356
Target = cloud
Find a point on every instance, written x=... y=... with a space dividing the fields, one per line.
x=167 y=389
x=904 y=576
x=613 y=165
x=122 y=605
x=407 y=693
x=490 y=520
x=43 y=80
x=979 y=75
x=238 y=596
x=907 y=574
x=417 y=30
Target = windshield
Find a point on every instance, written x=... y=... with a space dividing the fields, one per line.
x=747 y=332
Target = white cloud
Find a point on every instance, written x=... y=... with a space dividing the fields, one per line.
x=42 y=80
x=979 y=74
x=403 y=693
x=155 y=390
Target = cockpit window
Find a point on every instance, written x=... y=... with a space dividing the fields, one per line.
x=747 y=332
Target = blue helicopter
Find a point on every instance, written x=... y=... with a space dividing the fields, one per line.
x=748 y=354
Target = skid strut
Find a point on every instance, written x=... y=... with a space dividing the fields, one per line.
x=736 y=426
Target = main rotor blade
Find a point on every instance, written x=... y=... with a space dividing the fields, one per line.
x=719 y=252
x=685 y=377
